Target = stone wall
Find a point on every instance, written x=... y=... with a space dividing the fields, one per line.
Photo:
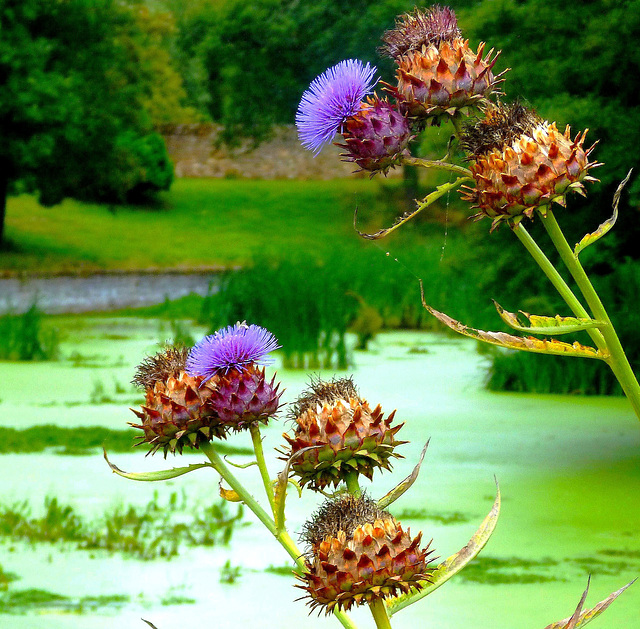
x=194 y=151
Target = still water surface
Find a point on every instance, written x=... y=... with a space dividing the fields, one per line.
x=568 y=468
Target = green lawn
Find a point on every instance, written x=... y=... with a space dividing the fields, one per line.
x=201 y=222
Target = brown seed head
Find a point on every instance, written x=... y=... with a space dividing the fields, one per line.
x=423 y=27
x=501 y=125
x=159 y=368
x=320 y=391
x=344 y=512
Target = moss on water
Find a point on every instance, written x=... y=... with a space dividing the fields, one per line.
x=283 y=571
x=496 y=571
x=454 y=517
x=82 y=440
x=33 y=599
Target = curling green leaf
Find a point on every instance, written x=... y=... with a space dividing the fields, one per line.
x=241 y=466
x=407 y=216
x=453 y=564
x=155 y=476
x=605 y=227
x=537 y=324
x=580 y=618
x=401 y=487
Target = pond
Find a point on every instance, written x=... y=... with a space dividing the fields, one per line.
x=568 y=469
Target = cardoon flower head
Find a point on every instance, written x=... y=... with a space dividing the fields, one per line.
x=522 y=163
x=234 y=347
x=332 y=97
x=337 y=433
x=228 y=362
x=178 y=410
x=421 y=28
x=359 y=554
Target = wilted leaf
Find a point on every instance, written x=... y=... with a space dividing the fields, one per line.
x=407 y=216
x=453 y=564
x=155 y=476
x=401 y=487
x=508 y=341
x=525 y=322
x=230 y=495
x=580 y=618
x=605 y=227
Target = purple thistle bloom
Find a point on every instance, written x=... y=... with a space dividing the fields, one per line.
x=234 y=347
x=332 y=97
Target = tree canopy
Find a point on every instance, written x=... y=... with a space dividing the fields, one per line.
x=576 y=64
x=72 y=103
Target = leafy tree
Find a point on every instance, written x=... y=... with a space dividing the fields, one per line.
x=260 y=56
x=72 y=121
x=149 y=37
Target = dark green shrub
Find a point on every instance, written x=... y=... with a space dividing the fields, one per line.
x=23 y=337
x=303 y=302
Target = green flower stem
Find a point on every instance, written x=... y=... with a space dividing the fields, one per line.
x=425 y=163
x=617 y=359
x=456 y=121
x=282 y=536
x=353 y=486
x=558 y=282
x=379 y=613
x=266 y=479
x=222 y=469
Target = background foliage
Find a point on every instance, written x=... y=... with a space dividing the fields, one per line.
x=84 y=84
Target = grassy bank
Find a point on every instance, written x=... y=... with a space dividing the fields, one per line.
x=200 y=222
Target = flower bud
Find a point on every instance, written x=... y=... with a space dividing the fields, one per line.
x=522 y=163
x=338 y=434
x=376 y=136
x=358 y=554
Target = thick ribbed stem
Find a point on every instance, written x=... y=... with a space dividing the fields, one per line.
x=262 y=466
x=617 y=359
x=558 y=282
x=282 y=536
x=379 y=613
x=222 y=469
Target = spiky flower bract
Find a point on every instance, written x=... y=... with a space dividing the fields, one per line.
x=423 y=27
x=337 y=434
x=358 y=553
x=178 y=410
x=522 y=163
x=438 y=74
x=234 y=347
x=376 y=137
x=331 y=98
